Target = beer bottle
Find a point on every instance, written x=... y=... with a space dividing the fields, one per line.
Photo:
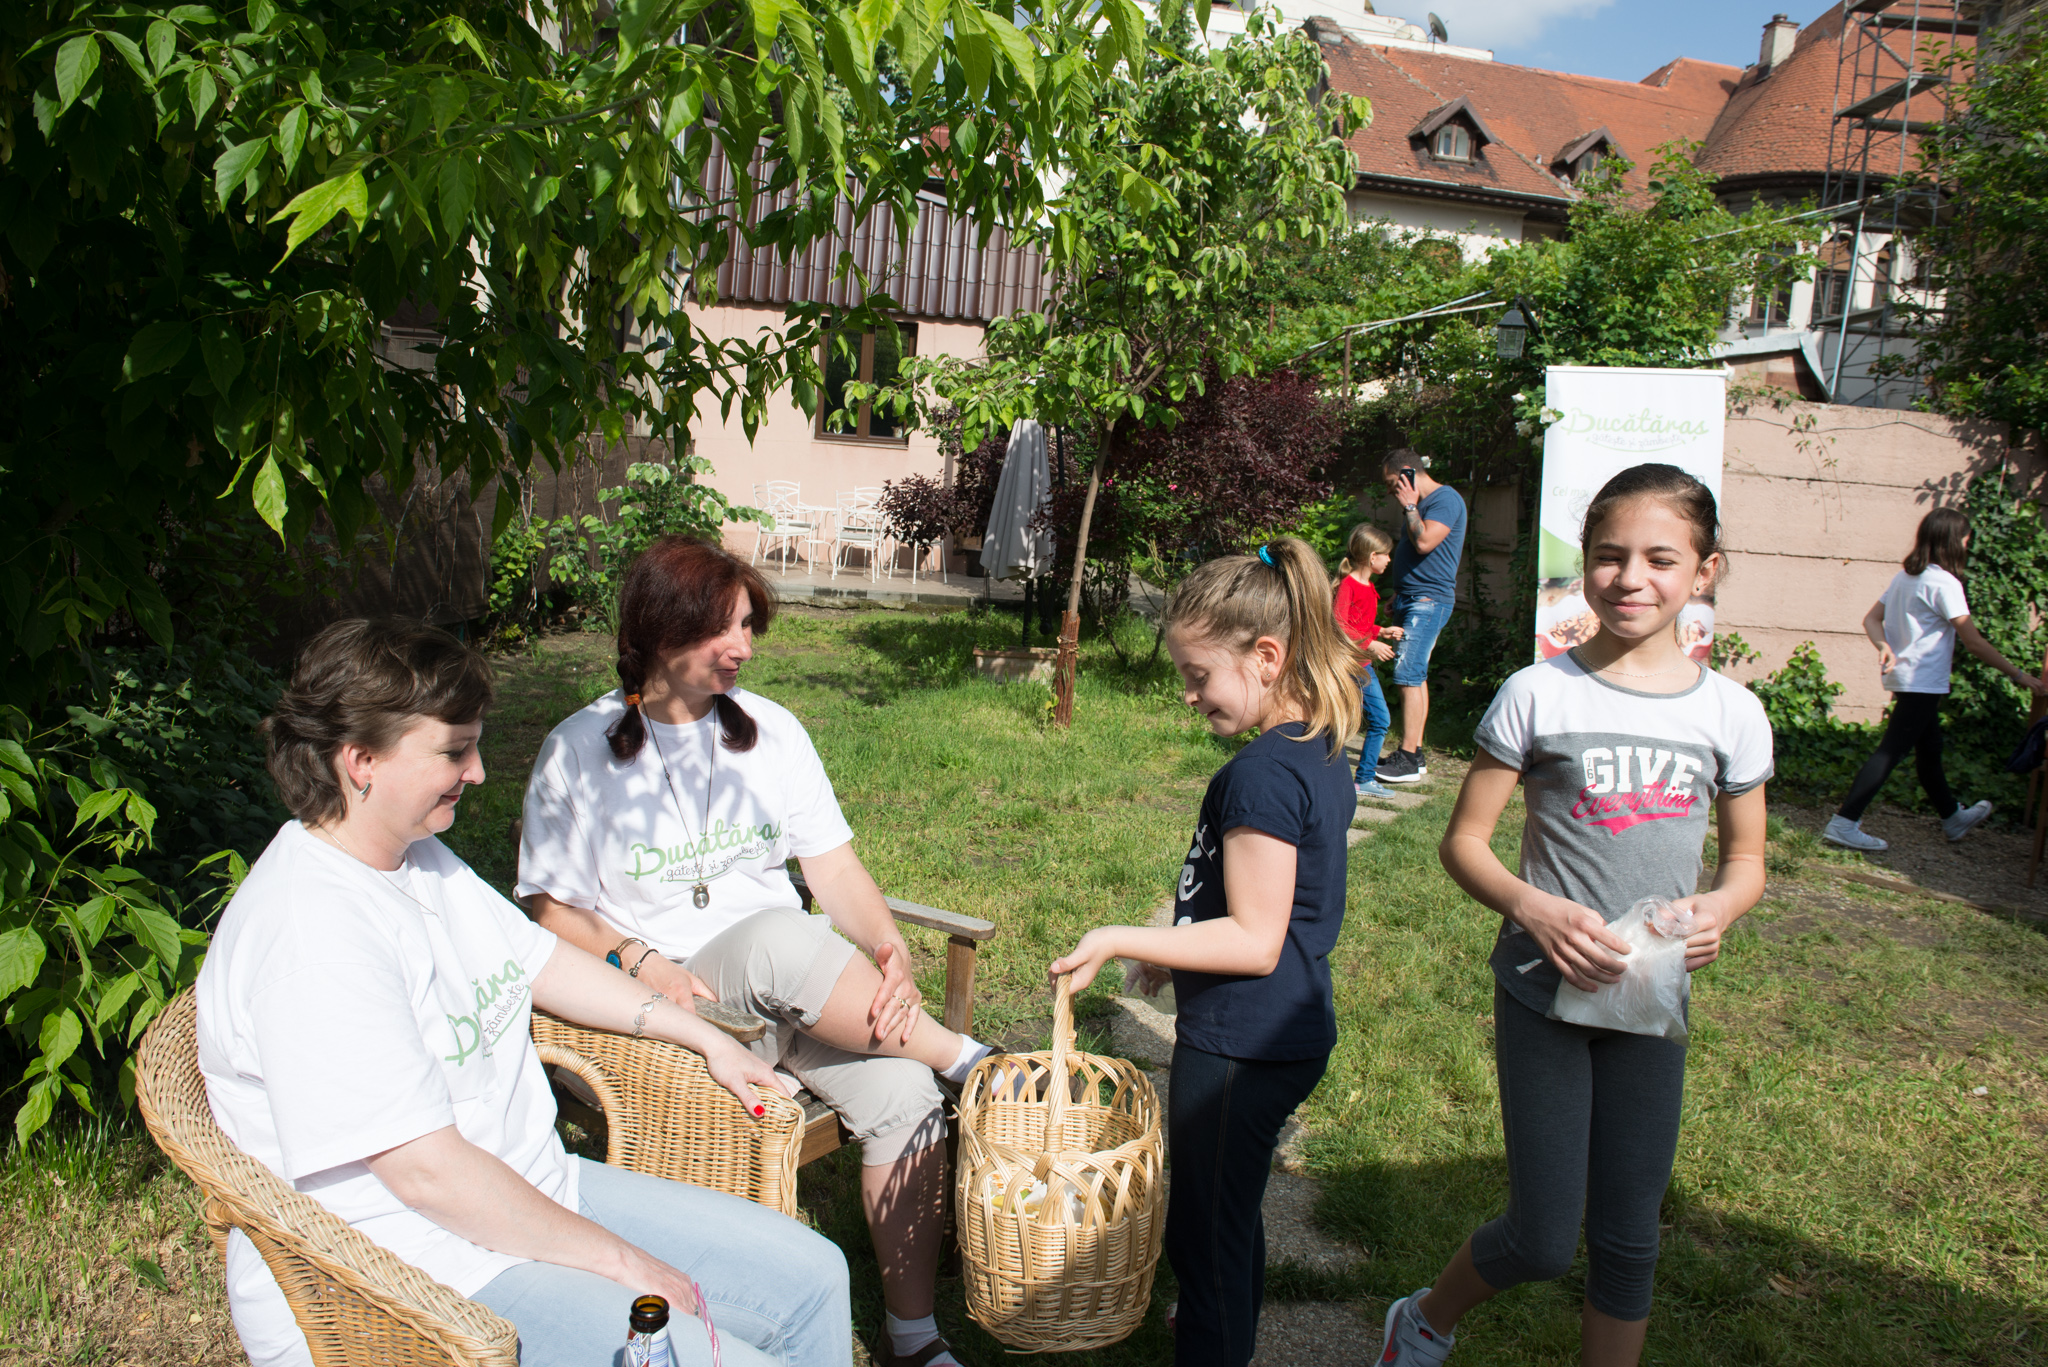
x=647 y=1342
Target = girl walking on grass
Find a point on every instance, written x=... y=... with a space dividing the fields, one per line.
x=1619 y=745
x=1358 y=607
x=1260 y=903
x=1915 y=627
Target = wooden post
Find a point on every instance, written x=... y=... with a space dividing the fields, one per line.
x=959 y=1013
x=1070 y=625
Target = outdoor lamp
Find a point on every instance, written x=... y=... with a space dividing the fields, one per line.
x=1510 y=333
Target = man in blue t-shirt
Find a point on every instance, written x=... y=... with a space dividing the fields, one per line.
x=1423 y=581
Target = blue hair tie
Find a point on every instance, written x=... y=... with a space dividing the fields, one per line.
x=1266 y=555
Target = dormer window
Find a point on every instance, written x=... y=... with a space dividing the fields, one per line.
x=1453 y=133
x=1582 y=156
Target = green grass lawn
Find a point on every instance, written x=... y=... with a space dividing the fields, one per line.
x=1842 y=1194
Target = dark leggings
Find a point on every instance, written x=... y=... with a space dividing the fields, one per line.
x=1915 y=725
x=1223 y=1123
x=1592 y=1127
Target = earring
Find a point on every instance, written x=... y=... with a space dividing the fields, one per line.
x=364 y=792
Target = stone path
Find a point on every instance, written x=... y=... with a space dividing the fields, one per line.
x=1291 y=1333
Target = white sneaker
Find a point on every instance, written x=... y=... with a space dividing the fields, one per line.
x=1411 y=1340
x=1965 y=820
x=1850 y=835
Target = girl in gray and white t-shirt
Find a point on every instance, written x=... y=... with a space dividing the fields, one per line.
x=1620 y=746
x=1916 y=627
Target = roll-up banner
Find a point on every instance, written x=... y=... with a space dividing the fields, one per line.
x=1613 y=417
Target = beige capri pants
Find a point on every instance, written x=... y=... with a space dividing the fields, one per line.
x=782 y=965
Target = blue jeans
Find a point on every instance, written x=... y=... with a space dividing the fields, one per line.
x=1377 y=720
x=1223 y=1118
x=1422 y=621
x=778 y=1291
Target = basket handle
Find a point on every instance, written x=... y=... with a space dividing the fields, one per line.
x=1062 y=1045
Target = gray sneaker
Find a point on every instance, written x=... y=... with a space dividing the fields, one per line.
x=1411 y=1340
x=1850 y=835
x=1375 y=791
x=1965 y=820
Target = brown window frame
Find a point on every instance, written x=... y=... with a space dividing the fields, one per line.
x=864 y=373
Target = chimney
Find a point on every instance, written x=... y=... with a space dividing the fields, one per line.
x=1780 y=35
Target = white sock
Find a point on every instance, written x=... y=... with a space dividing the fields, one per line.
x=972 y=1051
x=907 y=1336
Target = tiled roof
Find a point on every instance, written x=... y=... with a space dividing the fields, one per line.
x=1777 y=122
x=1535 y=114
x=1401 y=101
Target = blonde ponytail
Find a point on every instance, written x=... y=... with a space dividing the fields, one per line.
x=1282 y=592
x=1365 y=542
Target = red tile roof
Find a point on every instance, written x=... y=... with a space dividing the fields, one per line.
x=1776 y=124
x=1535 y=114
x=1755 y=125
x=1401 y=101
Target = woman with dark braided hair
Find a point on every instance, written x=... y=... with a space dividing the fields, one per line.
x=658 y=823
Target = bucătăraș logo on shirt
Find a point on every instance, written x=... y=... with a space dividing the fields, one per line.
x=498 y=999
x=701 y=860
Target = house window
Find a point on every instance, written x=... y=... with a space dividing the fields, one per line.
x=873 y=358
x=1587 y=165
x=1453 y=143
x=1770 y=309
x=1831 y=294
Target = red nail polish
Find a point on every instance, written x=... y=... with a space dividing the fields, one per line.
x=760 y=1110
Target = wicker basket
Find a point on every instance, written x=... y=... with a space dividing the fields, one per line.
x=1080 y=1135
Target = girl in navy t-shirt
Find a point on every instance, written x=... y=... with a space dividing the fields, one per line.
x=1260 y=902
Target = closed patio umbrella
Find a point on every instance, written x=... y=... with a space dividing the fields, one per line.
x=1013 y=547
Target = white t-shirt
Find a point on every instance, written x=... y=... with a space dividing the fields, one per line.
x=339 y=1017
x=1616 y=785
x=617 y=839
x=1919 y=625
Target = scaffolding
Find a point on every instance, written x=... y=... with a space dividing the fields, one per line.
x=1891 y=88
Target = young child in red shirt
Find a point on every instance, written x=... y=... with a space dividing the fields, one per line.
x=1358 y=603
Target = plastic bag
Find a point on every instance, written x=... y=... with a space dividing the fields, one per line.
x=1027 y=1200
x=1650 y=998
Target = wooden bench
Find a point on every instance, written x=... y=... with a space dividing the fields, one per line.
x=822 y=1131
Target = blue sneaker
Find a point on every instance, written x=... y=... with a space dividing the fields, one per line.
x=1376 y=790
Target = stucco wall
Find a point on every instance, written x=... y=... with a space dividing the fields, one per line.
x=786 y=446
x=1819 y=504
x=1476 y=230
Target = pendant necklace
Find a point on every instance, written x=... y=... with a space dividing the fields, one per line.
x=1625 y=674
x=700 y=895
x=335 y=834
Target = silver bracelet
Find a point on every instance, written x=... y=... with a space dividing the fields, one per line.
x=640 y=1016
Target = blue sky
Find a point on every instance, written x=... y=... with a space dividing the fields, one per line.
x=1624 y=39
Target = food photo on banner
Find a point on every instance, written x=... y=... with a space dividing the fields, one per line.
x=1607 y=419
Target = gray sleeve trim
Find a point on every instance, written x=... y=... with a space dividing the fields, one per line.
x=1738 y=789
x=1499 y=750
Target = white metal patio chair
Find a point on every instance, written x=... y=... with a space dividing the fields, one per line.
x=858 y=527
x=792 y=524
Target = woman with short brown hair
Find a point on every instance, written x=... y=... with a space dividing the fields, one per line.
x=658 y=823
x=363 y=1031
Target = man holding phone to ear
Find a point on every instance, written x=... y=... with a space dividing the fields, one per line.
x=1423 y=580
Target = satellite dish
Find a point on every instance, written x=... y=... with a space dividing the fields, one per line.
x=1437 y=29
